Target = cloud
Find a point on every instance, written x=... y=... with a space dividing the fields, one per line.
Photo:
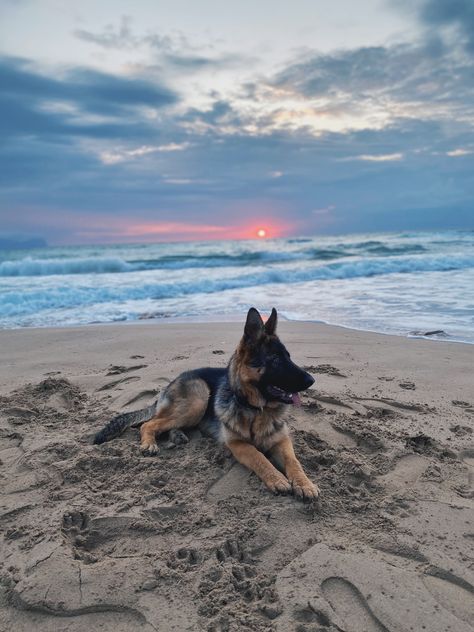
x=81 y=103
x=89 y=90
x=218 y=179
x=120 y=38
x=130 y=230
x=175 y=52
x=372 y=87
x=121 y=155
x=323 y=211
x=103 y=93
x=455 y=14
x=354 y=140
x=176 y=228
x=376 y=157
x=459 y=152
x=367 y=88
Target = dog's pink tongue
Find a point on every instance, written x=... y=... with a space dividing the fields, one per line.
x=296 y=399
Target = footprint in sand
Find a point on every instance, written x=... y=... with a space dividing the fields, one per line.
x=75 y=521
x=332 y=402
x=467 y=457
x=331 y=435
x=409 y=406
x=75 y=526
x=406 y=472
x=233 y=482
x=185 y=559
x=165 y=380
x=164 y=512
x=461 y=431
x=118 y=369
x=19 y=415
x=365 y=440
x=232 y=550
x=357 y=592
x=115 y=383
x=468 y=408
x=408 y=386
x=327 y=369
x=146 y=396
x=90 y=535
x=451 y=595
x=350 y=605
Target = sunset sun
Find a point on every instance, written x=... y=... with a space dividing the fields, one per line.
x=262 y=233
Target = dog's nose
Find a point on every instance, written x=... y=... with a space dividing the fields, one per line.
x=308 y=380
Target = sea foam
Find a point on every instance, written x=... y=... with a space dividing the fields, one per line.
x=46 y=267
x=379 y=279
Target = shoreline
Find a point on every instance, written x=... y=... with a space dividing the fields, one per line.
x=188 y=539
x=393 y=284
x=236 y=318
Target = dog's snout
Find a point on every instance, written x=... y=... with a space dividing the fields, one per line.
x=308 y=380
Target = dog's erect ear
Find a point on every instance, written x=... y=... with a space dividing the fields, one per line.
x=271 y=324
x=254 y=327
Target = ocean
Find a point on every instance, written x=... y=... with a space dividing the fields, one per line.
x=407 y=283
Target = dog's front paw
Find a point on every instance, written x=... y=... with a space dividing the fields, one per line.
x=149 y=447
x=278 y=484
x=304 y=488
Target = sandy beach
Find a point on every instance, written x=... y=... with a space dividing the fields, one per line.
x=103 y=538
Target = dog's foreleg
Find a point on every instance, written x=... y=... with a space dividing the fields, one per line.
x=249 y=456
x=284 y=453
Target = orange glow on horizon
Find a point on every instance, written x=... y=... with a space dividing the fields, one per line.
x=100 y=230
x=267 y=228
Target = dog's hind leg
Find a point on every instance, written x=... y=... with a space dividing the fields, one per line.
x=182 y=406
x=150 y=429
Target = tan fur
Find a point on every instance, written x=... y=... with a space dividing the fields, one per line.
x=183 y=407
x=249 y=429
x=258 y=430
x=284 y=453
x=244 y=377
x=253 y=433
x=248 y=455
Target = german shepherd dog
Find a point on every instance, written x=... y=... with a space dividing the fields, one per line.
x=244 y=403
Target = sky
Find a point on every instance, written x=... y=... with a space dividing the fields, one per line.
x=155 y=121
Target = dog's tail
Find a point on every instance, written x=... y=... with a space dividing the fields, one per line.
x=120 y=423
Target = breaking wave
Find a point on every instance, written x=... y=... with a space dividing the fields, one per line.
x=101 y=265
x=387 y=282
x=67 y=295
x=47 y=267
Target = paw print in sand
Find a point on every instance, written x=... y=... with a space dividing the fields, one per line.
x=75 y=526
x=185 y=559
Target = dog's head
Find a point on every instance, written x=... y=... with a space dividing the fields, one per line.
x=266 y=364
